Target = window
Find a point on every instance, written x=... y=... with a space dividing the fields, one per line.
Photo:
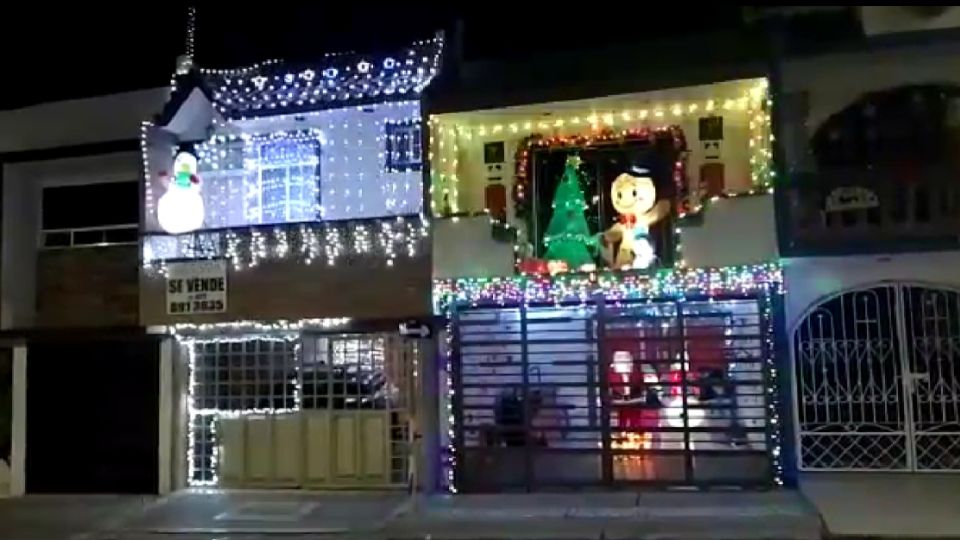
x=245 y=375
x=90 y=214
x=288 y=180
x=404 y=146
x=261 y=182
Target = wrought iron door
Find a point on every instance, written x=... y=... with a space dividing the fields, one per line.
x=878 y=380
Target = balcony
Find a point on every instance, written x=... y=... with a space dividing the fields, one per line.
x=885 y=209
x=366 y=268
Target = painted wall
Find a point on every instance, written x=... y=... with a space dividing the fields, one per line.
x=81 y=121
x=740 y=230
x=464 y=247
x=823 y=86
x=810 y=279
x=878 y=20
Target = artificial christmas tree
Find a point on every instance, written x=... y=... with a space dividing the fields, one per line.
x=568 y=237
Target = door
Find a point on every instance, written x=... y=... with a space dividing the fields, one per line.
x=92 y=417
x=312 y=410
x=877 y=380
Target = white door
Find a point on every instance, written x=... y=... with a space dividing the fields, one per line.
x=877 y=380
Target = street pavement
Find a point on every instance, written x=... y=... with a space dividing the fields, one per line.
x=891 y=505
x=848 y=507
x=245 y=515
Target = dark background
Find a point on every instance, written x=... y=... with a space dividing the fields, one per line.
x=78 y=50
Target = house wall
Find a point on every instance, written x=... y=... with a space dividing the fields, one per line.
x=88 y=287
x=878 y=20
x=735 y=231
x=291 y=290
x=811 y=279
x=28 y=279
x=472 y=173
x=69 y=288
x=115 y=117
x=821 y=86
x=740 y=230
x=465 y=247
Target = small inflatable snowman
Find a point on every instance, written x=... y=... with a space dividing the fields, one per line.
x=180 y=209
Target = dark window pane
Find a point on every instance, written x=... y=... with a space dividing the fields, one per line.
x=91 y=205
x=116 y=236
x=87 y=238
x=403 y=146
x=60 y=239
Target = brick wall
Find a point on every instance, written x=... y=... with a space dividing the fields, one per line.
x=87 y=287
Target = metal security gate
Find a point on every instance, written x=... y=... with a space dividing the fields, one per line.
x=662 y=393
x=310 y=410
x=878 y=380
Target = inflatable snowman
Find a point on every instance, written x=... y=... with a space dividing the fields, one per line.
x=180 y=209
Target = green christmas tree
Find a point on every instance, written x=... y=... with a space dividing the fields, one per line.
x=568 y=237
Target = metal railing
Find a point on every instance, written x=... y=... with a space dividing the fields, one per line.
x=871 y=209
x=81 y=237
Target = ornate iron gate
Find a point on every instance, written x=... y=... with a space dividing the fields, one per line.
x=878 y=380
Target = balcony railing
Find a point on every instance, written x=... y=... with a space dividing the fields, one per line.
x=862 y=211
x=107 y=235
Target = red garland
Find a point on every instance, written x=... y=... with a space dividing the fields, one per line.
x=521 y=184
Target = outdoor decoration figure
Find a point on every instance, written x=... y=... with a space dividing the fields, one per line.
x=568 y=239
x=635 y=198
x=180 y=209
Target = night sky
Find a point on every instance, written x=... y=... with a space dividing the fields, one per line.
x=72 y=51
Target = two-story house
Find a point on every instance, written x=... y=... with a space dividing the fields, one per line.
x=283 y=239
x=605 y=260
x=78 y=374
x=868 y=212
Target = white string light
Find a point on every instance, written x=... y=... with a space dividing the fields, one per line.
x=384 y=239
x=268 y=88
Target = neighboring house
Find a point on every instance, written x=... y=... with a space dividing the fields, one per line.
x=284 y=239
x=869 y=218
x=69 y=292
x=605 y=259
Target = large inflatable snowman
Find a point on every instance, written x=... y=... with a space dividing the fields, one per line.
x=180 y=209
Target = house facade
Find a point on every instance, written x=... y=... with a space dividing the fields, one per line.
x=284 y=238
x=868 y=222
x=75 y=365
x=710 y=277
x=606 y=264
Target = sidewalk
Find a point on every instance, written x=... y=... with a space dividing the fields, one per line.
x=730 y=515
x=291 y=515
x=892 y=505
x=215 y=512
x=61 y=517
